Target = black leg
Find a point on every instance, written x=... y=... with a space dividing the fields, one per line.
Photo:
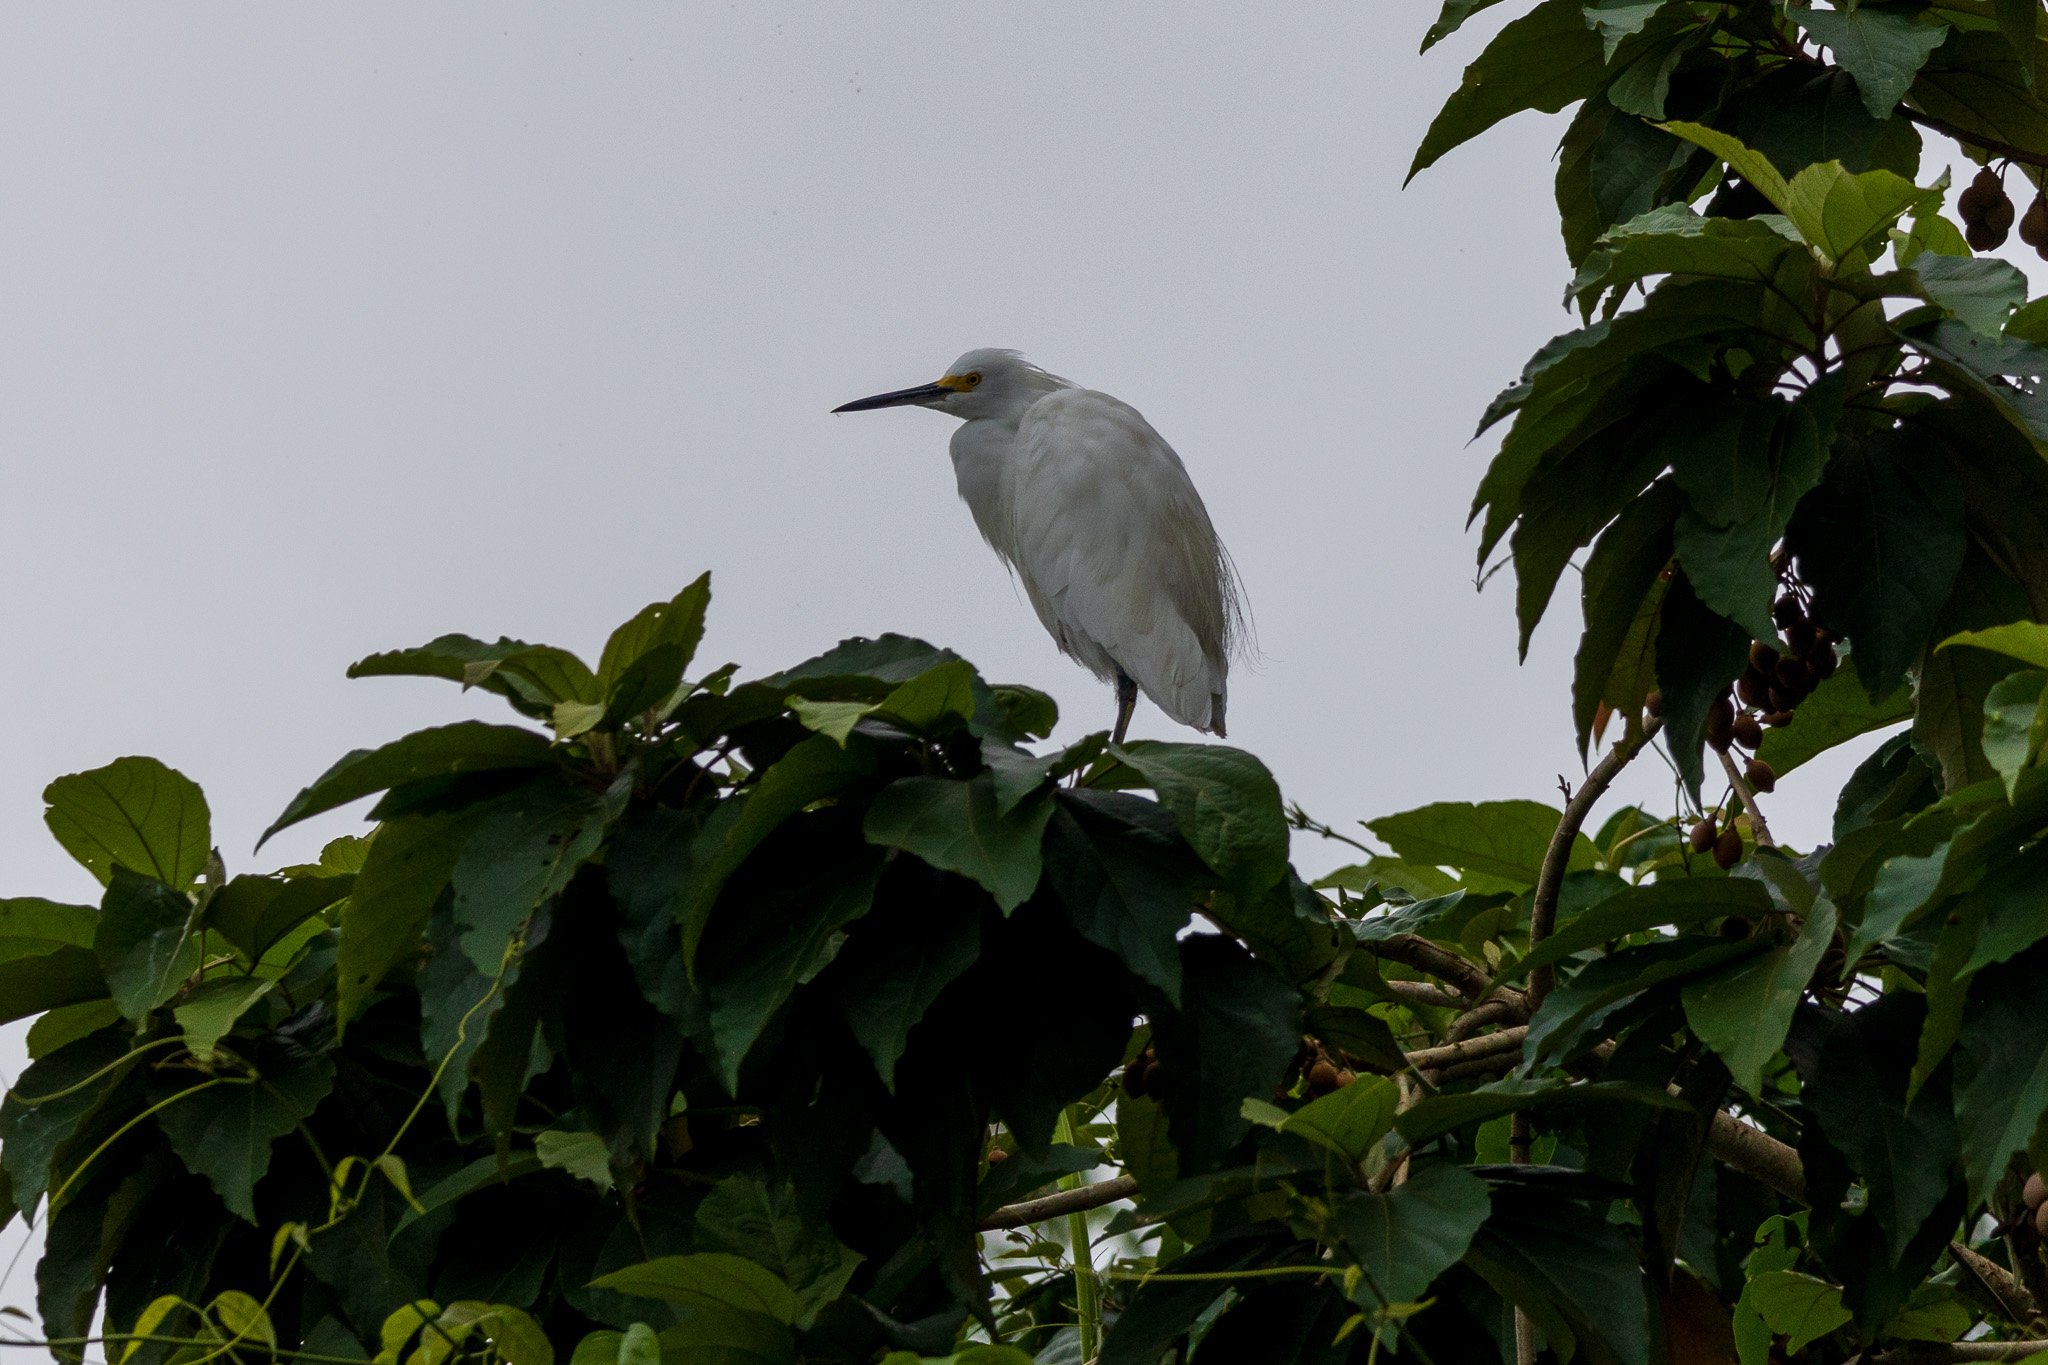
x=1126 y=702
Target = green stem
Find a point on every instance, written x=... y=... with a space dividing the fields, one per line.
x=1087 y=1293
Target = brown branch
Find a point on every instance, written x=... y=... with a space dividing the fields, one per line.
x=1424 y=993
x=1056 y=1205
x=2000 y=1285
x=1758 y=1155
x=1487 y=1068
x=1466 y=977
x=1929 y=1352
x=1496 y=1011
x=1487 y=1045
x=2002 y=149
x=1742 y=789
x=1550 y=877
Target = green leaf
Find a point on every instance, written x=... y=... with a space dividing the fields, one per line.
x=793 y=924
x=2022 y=640
x=887 y=976
x=1853 y=1071
x=254 y=913
x=147 y=943
x=522 y=854
x=1637 y=909
x=1745 y=1011
x=485 y=1172
x=808 y=772
x=935 y=699
x=708 y=1279
x=1437 y=1115
x=675 y=627
x=1953 y=684
x=1883 y=48
x=516 y=1338
x=50 y=1103
x=1578 y=1006
x=2014 y=725
x=1796 y=1306
x=2005 y=1038
x=761 y=1223
x=1349 y=1121
x=409 y=865
x=1673 y=240
x=1405 y=1238
x=1623 y=586
x=1497 y=845
x=1237 y=1029
x=1881 y=542
x=1837 y=711
x=213 y=1008
x=1544 y=60
x=583 y=1155
x=954 y=826
x=1571 y=1270
x=224 y=1129
x=1126 y=878
x=1981 y=292
x=1226 y=804
x=1452 y=18
x=133 y=813
x=468 y=746
x=637 y=1345
x=1030 y=713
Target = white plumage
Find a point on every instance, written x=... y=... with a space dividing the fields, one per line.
x=1096 y=514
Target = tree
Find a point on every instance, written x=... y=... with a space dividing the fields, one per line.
x=694 y=1019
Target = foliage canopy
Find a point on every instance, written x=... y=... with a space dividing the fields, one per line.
x=696 y=1019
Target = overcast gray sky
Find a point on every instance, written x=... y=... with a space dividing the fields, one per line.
x=329 y=329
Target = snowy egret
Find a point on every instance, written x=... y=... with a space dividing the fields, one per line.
x=1096 y=514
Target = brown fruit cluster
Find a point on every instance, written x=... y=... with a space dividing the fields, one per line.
x=2034 y=226
x=1141 y=1076
x=2035 y=1196
x=1987 y=211
x=1723 y=841
x=1318 y=1072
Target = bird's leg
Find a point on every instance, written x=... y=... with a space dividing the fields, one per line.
x=1126 y=702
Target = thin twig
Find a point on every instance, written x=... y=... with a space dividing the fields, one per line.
x=1550 y=877
x=1742 y=789
x=2010 y=153
x=1927 y=1352
x=2000 y=1285
x=1058 y=1205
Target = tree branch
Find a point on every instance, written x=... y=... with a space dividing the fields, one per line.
x=1487 y=1045
x=1742 y=789
x=1424 y=993
x=2000 y=1285
x=1996 y=148
x=1929 y=1352
x=1057 y=1205
x=1543 y=907
x=1466 y=977
x=1758 y=1155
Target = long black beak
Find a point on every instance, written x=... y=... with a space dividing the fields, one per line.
x=923 y=393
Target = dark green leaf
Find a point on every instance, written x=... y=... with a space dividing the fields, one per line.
x=1226 y=804
x=1577 y=1007
x=710 y=1279
x=524 y=852
x=2005 y=1040
x=1498 y=845
x=1699 y=652
x=252 y=913
x=1880 y=46
x=1544 y=60
x=1743 y=1012
x=1837 y=711
x=1981 y=291
x=1407 y=1237
x=468 y=746
x=1437 y=1115
x=134 y=813
x=1451 y=19
x=409 y=866
x=1239 y=1027
x=954 y=826
x=751 y=1219
x=676 y=625
x=50 y=1102
x=30 y=985
x=1678 y=903
x=1571 y=1270
x=147 y=943
x=1126 y=878
x=888 y=975
x=1948 y=720
x=1623 y=579
x=1853 y=1070
x=223 y=1129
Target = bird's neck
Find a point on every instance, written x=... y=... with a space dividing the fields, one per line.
x=981 y=458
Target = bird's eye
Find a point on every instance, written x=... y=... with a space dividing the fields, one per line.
x=974 y=379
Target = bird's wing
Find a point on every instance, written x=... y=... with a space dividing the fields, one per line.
x=1117 y=553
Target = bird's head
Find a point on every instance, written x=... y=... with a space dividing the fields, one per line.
x=983 y=383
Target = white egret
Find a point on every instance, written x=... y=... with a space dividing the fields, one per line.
x=1097 y=516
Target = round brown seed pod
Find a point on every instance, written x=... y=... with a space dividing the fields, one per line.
x=1762 y=657
x=1825 y=659
x=1753 y=687
x=2041 y=1220
x=1777 y=718
x=1983 y=237
x=1728 y=848
x=1322 y=1078
x=2035 y=1193
x=1134 y=1077
x=1720 y=724
x=1802 y=636
x=1654 y=704
x=1786 y=609
x=2000 y=215
x=1345 y=1077
x=1748 y=731
x=997 y=1156
x=2034 y=224
x=1759 y=775
x=1703 y=834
